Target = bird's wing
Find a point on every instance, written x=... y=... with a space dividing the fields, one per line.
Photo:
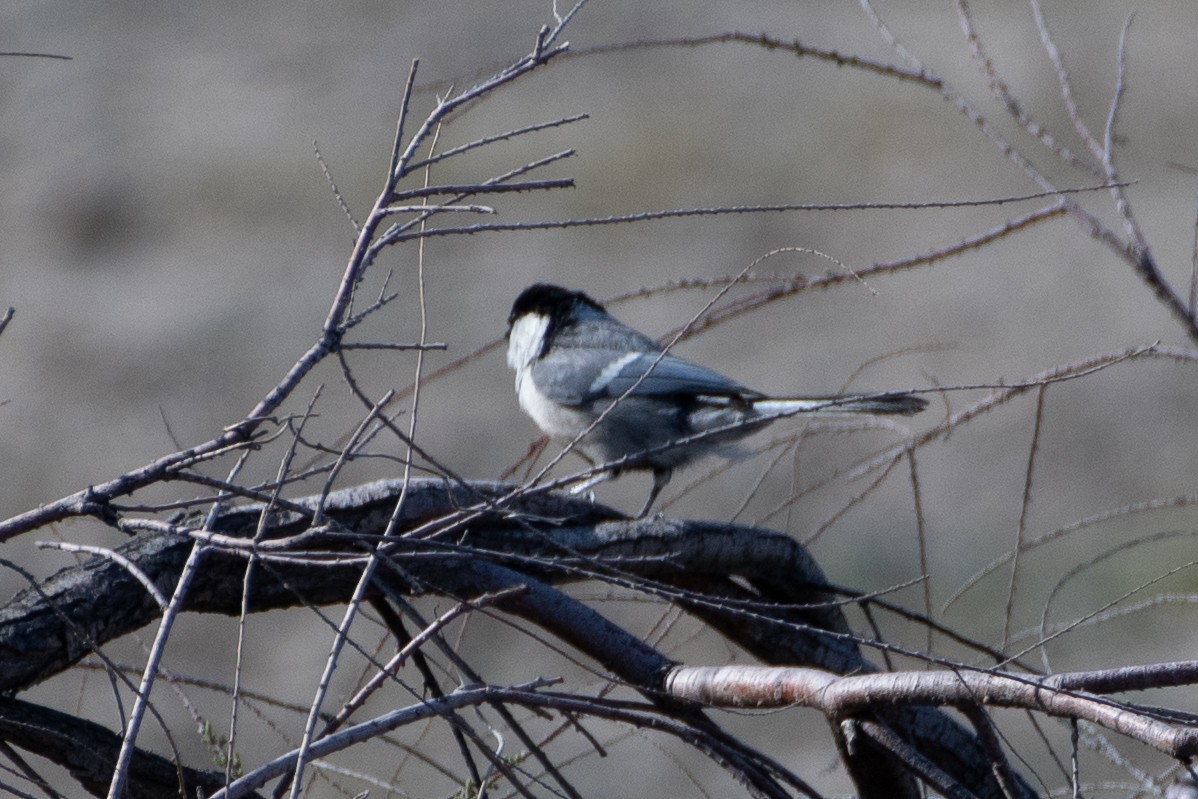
x=577 y=376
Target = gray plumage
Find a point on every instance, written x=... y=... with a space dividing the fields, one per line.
x=584 y=376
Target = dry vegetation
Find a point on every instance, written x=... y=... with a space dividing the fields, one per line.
x=470 y=636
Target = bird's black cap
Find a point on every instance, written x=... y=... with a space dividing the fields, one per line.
x=548 y=300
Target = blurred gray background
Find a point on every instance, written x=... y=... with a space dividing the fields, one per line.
x=170 y=246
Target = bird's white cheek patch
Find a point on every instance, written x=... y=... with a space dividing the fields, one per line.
x=525 y=338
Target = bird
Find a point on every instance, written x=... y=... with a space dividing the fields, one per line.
x=626 y=404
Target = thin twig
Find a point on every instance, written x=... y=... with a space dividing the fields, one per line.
x=921 y=536
x=1002 y=91
x=487 y=140
x=328 y=176
x=682 y=213
x=1122 y=203
x=1063 y=81
x=116 y=788
x=989 y=737
x=1024 y=508
x=115 y=557
x=483 y=188
x=19 y=54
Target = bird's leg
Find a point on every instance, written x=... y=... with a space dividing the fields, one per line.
x=661 y=476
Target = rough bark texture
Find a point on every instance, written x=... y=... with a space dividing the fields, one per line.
x=462 y=548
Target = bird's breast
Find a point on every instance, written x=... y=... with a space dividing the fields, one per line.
x=555 y=419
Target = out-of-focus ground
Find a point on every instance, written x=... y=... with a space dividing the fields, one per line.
x=170 y=246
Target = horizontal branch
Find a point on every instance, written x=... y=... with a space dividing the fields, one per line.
x=531 y=696
x=838 y=696
x=484 y=188
x=759 y=588
x=683 y=213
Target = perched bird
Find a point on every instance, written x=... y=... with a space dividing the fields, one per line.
x=585 y=377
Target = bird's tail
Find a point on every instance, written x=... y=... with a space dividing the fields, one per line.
x=895 y=403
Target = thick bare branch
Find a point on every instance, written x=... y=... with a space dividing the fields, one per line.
x=471 y=548
x=88 y=750
x=756 y=686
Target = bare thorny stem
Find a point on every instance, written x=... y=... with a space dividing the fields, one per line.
x=1133 y=248
x=372 y=239
x=364 y=250
x=95 y=499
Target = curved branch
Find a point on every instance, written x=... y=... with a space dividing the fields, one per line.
x=88 y=750
x=780 y=608
x=1061 y=695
